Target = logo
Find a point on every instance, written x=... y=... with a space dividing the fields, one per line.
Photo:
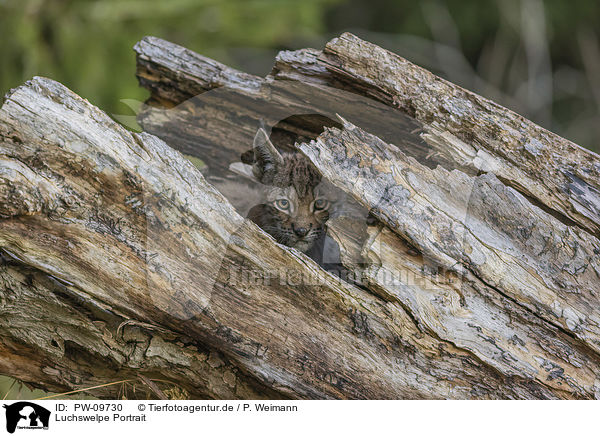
x=26 y=415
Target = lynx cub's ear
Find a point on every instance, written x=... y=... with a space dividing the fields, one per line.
x=267 y=160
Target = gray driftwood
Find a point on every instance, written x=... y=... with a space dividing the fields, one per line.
x=480 y=278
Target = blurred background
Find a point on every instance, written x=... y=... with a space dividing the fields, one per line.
x=538 y=57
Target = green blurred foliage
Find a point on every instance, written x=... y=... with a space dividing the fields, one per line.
x=485 y=45
x=477 y=21
x=87 y=45
x=540 y=58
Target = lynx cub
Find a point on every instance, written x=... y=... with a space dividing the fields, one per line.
x=296 y=204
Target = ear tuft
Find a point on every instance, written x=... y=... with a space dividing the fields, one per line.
x=267 y=160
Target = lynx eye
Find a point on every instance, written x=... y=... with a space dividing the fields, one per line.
x=282 y=204
x=321 y=204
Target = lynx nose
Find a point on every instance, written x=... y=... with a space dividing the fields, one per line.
x=301 y=231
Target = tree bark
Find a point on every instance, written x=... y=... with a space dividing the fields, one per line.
x=479 y=278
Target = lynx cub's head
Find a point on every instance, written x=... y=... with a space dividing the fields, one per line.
x=296 y=203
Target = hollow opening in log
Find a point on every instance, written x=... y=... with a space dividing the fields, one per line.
x=300 y=128
x=300 y=185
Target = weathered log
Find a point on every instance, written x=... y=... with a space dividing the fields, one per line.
x=523 y=258
x=556 y=173
x=120 y=260
x=466 y=130
x=79 y=262
x=127 y=231
x=219 y=124
x=506 y=259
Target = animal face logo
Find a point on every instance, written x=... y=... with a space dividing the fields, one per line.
x=24 y=414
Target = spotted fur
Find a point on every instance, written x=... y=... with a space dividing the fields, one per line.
x=296 y=203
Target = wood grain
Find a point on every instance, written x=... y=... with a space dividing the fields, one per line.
x=479 y=277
